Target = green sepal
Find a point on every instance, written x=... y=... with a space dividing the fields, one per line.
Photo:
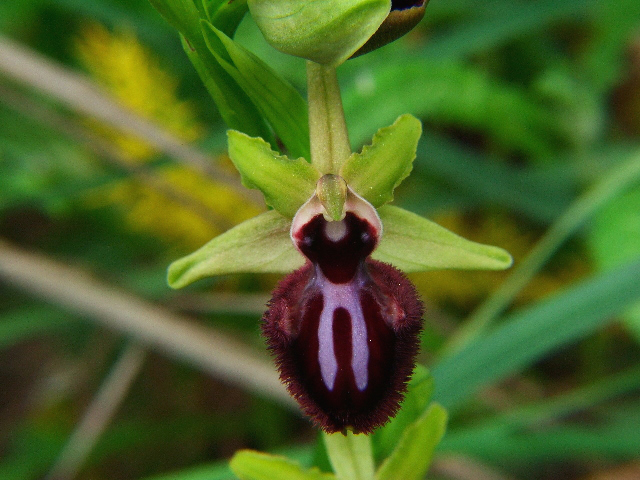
x=259 y=245
x=414 y=244
x=286 y=184
x=252 y=465
x=278 y=102
x=379 y=168
x=324 y=31
x=411 y=458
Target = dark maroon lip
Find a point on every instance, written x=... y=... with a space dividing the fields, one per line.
x=344 y=328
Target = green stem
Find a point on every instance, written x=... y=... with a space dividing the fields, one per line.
x=328 y=134
x=350 y=455
x=574 y=217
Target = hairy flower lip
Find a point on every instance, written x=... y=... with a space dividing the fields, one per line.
x=296 y=350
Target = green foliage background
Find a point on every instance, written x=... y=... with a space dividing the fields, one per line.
x=531 y=112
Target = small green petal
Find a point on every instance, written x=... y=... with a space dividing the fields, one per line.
x=259 y=245
x=324 y=31
x=376 y=171
x=285 y=183
x=414 y=244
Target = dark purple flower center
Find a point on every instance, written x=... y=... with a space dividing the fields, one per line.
x=344 y=327
x=337 y=248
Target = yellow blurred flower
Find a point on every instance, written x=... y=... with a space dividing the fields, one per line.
x=131 y=74
x=151 y=211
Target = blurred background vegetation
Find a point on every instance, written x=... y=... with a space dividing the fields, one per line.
x=113 y=164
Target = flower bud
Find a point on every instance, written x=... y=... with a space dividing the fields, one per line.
x=404 y=15
x=343 y=328
x=324 y=31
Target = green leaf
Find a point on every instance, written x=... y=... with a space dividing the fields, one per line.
x=547 y=411
x=453 y=93
x=613 y=240
x=17 y=325
x=279 y=103
x=181 y=14
x=529 y=334
x=225 y=15
x=324 y=31
x=613 y=25
x=235 y=107
x=504 y=23
x=380 y=167
x=612 y=434
x=251 y=465
x=285 y=183
x=414 y=404
x=412 y=457
x=259 y=245
x=350 y=455
x=540 y=194
x=413 y=244
x=615 y=181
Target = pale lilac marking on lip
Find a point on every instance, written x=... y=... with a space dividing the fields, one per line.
x=326 y=354
x=359 y=347
x=345 y=296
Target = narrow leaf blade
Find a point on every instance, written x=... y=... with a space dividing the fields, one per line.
x=226 y=15
x=528 y=335
x=235 y=107
x=181 y=14
x=280 y=104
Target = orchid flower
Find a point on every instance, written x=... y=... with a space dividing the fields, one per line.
x=344 y=323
